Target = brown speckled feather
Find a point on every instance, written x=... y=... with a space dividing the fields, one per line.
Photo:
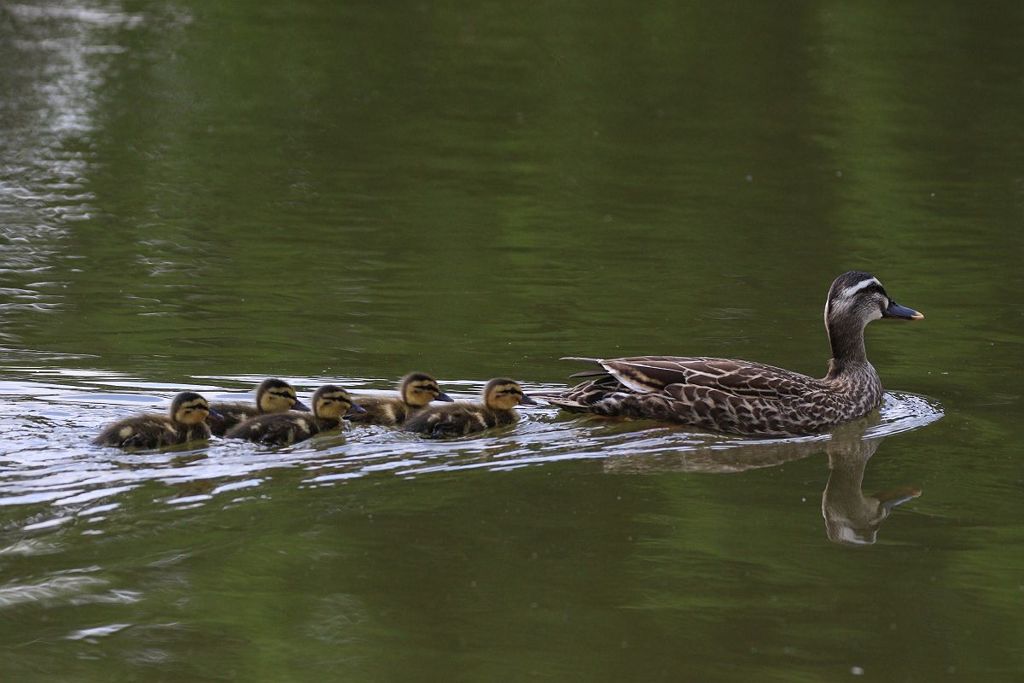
x=382 y=410
x=231 y=413
x=458 y=419
x=500 y=396
x=150 y=431
x=281 y=429
x=747 y=398
x=725 y=395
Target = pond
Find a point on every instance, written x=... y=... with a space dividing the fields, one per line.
x=199 y=195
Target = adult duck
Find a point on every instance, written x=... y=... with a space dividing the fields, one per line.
x=747 y=398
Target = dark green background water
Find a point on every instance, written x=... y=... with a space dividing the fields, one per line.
x=207 y=193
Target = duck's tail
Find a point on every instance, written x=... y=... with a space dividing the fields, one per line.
x=594 y=372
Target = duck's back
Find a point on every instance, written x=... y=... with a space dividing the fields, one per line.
x=718 y=394
x=231 y=413
x=280 y=429
x=457 y=419
x=381 y=410
x=150 y=431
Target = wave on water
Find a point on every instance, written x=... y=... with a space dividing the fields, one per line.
x=48 y=417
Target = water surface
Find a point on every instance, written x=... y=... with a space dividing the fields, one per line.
x=203 y=194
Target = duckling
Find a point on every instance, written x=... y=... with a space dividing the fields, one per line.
x=330 y=404
x=186 y=421
x=747 y=398
x=415 y=391
x=272 y=396
x=500 y=397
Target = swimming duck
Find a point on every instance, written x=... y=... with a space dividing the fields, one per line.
x=330 y=404
x=746 y=398
x=500 y=397
x=272 y=396
x=185 y=421
x=415 y=391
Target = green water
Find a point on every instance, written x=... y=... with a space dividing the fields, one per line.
x=203 y=194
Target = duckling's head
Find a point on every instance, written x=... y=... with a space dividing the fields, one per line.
x=418 y=389
x=277 y=396
x=189 y=408
x=505 y=394
x=333 y=402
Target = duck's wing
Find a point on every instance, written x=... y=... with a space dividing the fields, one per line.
x=379 y=410
x=450 y=419
x=227 y=414
x=646 y=374
x=278 y=429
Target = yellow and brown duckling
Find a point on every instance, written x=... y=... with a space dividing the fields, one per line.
x=500 y=397
x=330 y=404
x=415 y=392
x=185 y=421
x=272 y=396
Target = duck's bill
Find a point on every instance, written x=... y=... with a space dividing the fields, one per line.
x=214 y=414
x=897 y=496
x=355 y=409
x=299 y=405
x=902 y=312
x=443 y=397
x=527 y=401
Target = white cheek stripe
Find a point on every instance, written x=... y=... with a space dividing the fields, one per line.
x=863 y=284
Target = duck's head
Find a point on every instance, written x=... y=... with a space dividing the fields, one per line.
x=277 y=396
x=330 y=401
x=189 y=408
x=855 y=299
x=858 y=298
x=418 y=389
x=505 y=394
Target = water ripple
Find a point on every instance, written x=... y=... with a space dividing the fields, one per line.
x=51 y=414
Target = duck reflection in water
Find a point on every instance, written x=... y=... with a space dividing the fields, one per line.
x=851 y=518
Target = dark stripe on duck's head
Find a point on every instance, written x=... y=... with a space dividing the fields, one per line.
x=416 y=377
x=189 y=407
x=273 y=383
x=849 y=285
x=419 y=389
x=331 y=401
x=504 y=393
x=277 y=396
x=187 y=396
